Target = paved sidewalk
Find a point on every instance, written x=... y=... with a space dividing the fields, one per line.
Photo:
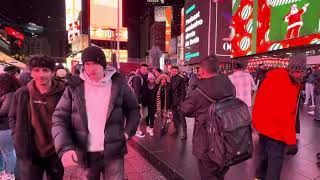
x=137 y=168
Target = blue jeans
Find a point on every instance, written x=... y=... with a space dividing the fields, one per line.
x=8 y=153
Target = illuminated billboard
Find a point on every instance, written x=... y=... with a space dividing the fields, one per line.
x=123 y=55
x=104 y=22
x=73 y=12
x=207 y=30
x=267 y=25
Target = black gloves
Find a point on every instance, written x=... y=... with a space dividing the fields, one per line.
x=292 y=149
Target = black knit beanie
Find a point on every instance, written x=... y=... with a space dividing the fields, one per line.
x=94 y=54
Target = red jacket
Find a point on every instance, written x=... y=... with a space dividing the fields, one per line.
x=275 y=109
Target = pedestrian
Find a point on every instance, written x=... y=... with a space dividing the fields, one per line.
x=196 y=105
x=178 y=95
x=139 y=85
x=157 y=72
x=8 y=85
x=152 y=107
x=275 y=118
x=309 y=87
x=243 y=83
x=30 y=120
x=163 y=101
x=316 y=84
x=95 y=117
x=12 y=70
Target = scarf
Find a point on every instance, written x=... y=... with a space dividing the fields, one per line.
x=161 y=112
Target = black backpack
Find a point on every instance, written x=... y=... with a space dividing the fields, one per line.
x=228 y=131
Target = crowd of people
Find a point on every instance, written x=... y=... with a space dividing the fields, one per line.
x=76 y=126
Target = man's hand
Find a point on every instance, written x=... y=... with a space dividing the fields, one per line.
x=69 y=159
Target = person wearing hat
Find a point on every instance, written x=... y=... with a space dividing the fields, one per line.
x=95 y=117
x=275 y=116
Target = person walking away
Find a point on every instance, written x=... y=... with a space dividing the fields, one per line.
x=243 y=83
x=196 y=105
x=275 y=117
x=30 y=120
x=8 y=85
x=152 y=107
x=139 y=84
x=92 y=122
x=178 y=96
x=310 y=88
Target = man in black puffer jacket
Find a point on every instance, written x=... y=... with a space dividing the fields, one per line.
x=196 y=105
x=95 y=117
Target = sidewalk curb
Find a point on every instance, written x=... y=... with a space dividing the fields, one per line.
x=157 y=163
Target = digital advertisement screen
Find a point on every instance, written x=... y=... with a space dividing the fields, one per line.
x=104 y=21
x=207 y=30
x=261 y=26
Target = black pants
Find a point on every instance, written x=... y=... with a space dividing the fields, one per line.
x=113 y=169
x=34 y=170
x=150 y=120
x=270 y=158
x=210 y=171
x=179 y=119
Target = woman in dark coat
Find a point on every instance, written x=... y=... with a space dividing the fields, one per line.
x=151 y=94
x=163 y=100
x=8 y=85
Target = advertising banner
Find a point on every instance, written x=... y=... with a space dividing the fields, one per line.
x=267 y=25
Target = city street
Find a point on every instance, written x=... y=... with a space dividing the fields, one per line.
x=181 y=164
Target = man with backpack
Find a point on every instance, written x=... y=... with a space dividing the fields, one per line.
x=196 y=105
x=139 y=86
x=275 y=117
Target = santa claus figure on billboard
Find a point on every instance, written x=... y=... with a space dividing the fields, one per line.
x=294 y=20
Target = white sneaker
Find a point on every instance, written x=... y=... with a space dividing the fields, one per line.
x=312 y=106
x=2 y=174
x=305 y=103
x=148 y=129
x=151 y=132
x=140 y=134
x=8 y=176
x=311 y=112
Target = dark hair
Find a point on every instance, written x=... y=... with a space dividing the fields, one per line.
x=210 y=63
x=8 y=83
x=11 y=70
x=238 y=66
x=175 y=67
x=144 y=65
x=42 y=61
x=158 y=70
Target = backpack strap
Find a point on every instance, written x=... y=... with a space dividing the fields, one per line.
x=205 y=95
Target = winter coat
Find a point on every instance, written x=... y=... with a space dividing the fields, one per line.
x=316 y=82
x=70 y=122
x=178 y=90
x=140 y=91
x=151 y=95
x=275 y=110
x=196 y=105
x=5 y=102
x=20 y=123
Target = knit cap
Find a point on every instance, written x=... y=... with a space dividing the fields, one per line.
x=94 y=54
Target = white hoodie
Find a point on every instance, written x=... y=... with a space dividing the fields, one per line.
x=97 y=97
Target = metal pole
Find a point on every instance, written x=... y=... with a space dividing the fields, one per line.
x=118 y=37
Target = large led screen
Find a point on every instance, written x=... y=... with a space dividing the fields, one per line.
x=103 y=20
x=207 y=30
x=261 y=26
